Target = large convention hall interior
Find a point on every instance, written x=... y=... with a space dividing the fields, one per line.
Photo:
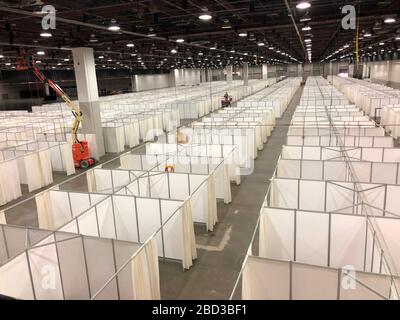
x=228 y=150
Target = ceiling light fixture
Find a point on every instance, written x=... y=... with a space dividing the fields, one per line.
x=390 y=20
x=130 y=45
x=46 y=34
x=261 y=44
x=303 y=5
x=242 y=34
x=226 y=25
x=306 y=28
x=174 y=51
x=41 y=53
x=180 y=40
x=205 y=16
x=113 y=26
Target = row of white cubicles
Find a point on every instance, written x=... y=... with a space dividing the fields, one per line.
x=105 y=240
x=329 y=226
x=39 y=142
x=374 y=99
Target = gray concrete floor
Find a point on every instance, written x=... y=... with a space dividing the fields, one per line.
x=221 y=253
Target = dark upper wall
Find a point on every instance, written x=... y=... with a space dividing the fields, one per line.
x=21 y=90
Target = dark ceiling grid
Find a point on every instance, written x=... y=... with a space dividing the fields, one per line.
x=172 y=19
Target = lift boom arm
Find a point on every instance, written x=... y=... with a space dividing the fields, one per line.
x=76 y=112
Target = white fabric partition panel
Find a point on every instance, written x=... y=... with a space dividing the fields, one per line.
x=268 y=279
x=230 y=153
x=184 y=164
x=362 y=171
x=136 y=219
x=333 y=196
x=81 y=266
x=337 y=153
x=325 y=239
x=247 y=149
x=178 y=186
x=10 y=185
x=55 y=208
x=334 y=141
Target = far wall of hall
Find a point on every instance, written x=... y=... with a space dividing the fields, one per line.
x=21 y=90
x=383 y=72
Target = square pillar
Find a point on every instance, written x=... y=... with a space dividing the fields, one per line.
x=245 y=73
x=229 y=73
x=88 y=96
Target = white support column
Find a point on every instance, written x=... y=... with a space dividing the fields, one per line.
x=300 y=70
x=229 y=73
x=265 y=72
x=245 y=73
x=209 y=75
x=88 y=96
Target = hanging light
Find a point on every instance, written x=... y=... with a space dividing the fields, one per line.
x=113 y=26
x=40 y=53
x=390 y=20
x=226 y=25
x=180 y=40
x=261 y=44
x=303 y=5
x=174 y=51
x=243 y=34
x=151 y=33
x=46 y=34
x=205 y=16
x=130 y=45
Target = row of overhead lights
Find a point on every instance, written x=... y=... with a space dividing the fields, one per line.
x=303 y=5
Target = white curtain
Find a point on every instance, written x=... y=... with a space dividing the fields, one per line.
x=145 y=273
x=38 y=170
x=262 y=244
x=212 y=204
x=246 y=281
x=2 y=218
x=188 y=236
x=124 y=161
x=10 y=184
x=67 y=159
x=133 y=139
x=33 y=171
x=227 y=186
x=91 y=181
x=44 y=211
x=46 y=167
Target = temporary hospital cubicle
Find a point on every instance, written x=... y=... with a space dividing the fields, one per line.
x=340 y=170
x=269 y=279
x=43 y=265
x=215 y=166
x=229 y=152
x=32 y=164
x=122 y=217
x=338 y=153
x=200 y=188
x=243 y=138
